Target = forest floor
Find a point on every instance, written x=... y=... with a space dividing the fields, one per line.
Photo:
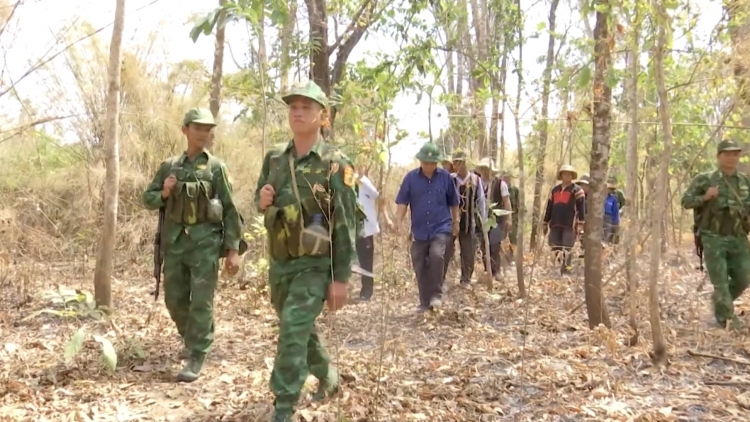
x=485 y=356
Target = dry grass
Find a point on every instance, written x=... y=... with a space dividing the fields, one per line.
x=484 y=357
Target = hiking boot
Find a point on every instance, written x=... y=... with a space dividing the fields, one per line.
x=282 y=415
x=184 y=353
x=735 y=324
x=192 y=370
x=328 y=386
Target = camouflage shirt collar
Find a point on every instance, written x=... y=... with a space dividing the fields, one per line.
x=315 y=148
x=184 y=156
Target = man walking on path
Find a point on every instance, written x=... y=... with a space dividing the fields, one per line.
x=514 y=206
x=564 y=206
x=472 y=210
x=430 y=193
x=499 y=198
x=583 y=182
x=307 y=197
x=611 y=216
x=194 y=192
x=368 y=197
x=447 y=164
x=720 y=200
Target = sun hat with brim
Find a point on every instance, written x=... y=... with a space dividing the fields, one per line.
x=447 y=159
x=429 y=153
x=568 y=169
x=458 y=156
x=199 y=116
x=309 y=90
x=584 y=180
x=486 y=162
x=728 y=145
x=507 y=174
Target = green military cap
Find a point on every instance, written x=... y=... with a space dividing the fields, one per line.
x=200 y=116
x=584 y=180
x=309 y=90
x=458 y=155
x=429 y=153
x=507 y=174
x=612 y=182
x=728 y=145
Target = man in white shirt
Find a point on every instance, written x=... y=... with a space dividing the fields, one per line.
x=368 y=200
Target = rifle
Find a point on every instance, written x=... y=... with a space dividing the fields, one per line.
x=698 y=245
x=158 y=253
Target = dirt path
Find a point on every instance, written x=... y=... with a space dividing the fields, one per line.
x=483 y=357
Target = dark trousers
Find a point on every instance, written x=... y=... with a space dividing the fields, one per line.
x=495 y=238
x=561 y=240
x=467 y=250
x=366 y=254
x=428 y=261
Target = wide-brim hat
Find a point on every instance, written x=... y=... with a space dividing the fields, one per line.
x=458 y=156
x=568 y=169
x=429 y=153
x=486 y=162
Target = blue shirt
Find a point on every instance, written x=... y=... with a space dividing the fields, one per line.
x=430 y=201
x=612 y=208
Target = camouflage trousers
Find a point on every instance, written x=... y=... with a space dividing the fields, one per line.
x=191 y=271
x=298 y=300
x=727 y=261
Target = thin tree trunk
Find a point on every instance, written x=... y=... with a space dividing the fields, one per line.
x=104 y=264
x=217 y=72
x=600 y=143
x=543 y=125
x=287 y=32
x=659 y=355
x=631 y=181
x=519 y=145
x=215 y=101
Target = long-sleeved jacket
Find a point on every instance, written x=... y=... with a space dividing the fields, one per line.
x=612 y=208
x=188 y=172
x=564 y=206
x=724 y=214
x=325 y=183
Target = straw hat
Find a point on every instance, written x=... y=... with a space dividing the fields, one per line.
x=567 y=168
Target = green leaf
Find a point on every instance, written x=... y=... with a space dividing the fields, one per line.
x=109 y=355
x=74 y=345
x=584 y=77
x=540 y=26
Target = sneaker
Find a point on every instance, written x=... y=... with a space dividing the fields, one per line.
x=435 y=303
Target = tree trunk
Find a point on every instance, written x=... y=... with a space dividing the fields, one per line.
x=287 y=33
x=631 y=159
x=659 y=355
x=217 y=73
x=543 y=125
x=519 y=145
x=739 y=33
x=103 y=271
x=600 y=143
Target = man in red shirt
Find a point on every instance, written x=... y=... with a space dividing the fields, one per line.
x=565 y=209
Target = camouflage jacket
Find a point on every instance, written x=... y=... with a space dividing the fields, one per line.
x=725 y=214
x=213 y=177
x=325 y=183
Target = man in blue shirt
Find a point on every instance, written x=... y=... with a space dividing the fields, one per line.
x=430 y=193
x=611 y=215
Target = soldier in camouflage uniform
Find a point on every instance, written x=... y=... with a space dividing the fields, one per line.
x=306 y=191
x=720 y=200
x=514 y=206
x=201 y=223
